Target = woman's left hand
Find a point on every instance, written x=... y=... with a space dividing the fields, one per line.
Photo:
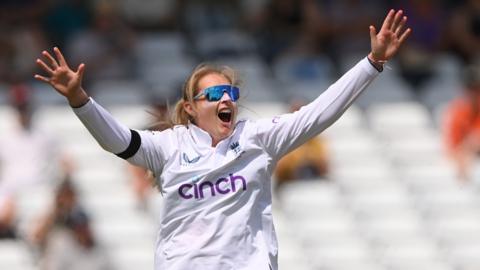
x=386 y=43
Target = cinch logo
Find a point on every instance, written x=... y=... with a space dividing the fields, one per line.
x=222 y=186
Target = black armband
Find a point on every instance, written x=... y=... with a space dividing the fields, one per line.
x=132 y=149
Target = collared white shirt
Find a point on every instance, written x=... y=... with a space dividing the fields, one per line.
x=217 y=209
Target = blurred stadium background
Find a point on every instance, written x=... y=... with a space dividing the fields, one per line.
x=392 y=200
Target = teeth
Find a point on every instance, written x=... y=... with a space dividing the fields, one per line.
x=226 y=111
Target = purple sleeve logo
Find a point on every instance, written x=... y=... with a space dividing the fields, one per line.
x=275 y=119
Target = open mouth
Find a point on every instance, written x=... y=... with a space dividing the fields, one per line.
x=225 y=116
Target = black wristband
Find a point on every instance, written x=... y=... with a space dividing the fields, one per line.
x=76 y=107
x=379 y=69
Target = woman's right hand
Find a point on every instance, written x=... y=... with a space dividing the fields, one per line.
x=62 y=78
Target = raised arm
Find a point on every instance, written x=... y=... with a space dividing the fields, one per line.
x=138 y=147
x=286 y=132
x=387 y=42
x=62 y=78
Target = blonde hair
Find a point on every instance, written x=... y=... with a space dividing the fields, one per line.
x=179 y=116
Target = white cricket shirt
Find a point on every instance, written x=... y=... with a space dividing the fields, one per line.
x=217 y=210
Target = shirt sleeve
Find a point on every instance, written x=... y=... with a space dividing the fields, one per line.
x=147 y=149
x=284 y=133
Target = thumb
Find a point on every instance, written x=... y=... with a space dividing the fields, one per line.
x=80 y=71
x=373 y=33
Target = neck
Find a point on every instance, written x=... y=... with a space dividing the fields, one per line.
x=215 y=141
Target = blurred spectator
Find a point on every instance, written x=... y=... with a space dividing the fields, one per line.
x=107 y=48
x=309 y=161
x=18 y=12
x=214 y=28
x=348 y=20
x=26 y=43
x=289 y=26
x=142 y=183
x=7 y=217
x=150 y=15
x=425 y=43
x=203 y=16
x=64 y=236
x=28 y=157
x=464 y=31
x=65 y=18
x=462 y=125
x=7 y=57
x=21 y=37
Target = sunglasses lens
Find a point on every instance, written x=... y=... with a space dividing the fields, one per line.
x=234 y=93
x=214 y=94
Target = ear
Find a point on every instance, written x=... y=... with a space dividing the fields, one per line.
x=190 y=109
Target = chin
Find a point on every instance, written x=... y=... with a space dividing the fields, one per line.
x=225 y=129
x=225 y=132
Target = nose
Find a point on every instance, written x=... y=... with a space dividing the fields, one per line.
x=225 y=97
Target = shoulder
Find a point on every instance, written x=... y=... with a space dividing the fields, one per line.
x=255 y=128
x=179 y=129
x=246 y=126
x=175 y=130
x=160 y=136
x=264 y=122
x=266 y=125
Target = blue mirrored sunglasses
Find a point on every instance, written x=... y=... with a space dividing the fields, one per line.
x=215 y=93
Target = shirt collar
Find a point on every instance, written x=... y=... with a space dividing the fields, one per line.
x=202 y=137
x=199 y=135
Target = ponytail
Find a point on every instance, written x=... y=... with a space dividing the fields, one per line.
x=179 y=115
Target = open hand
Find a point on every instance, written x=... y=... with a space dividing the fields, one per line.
x=386 y=43
x=62 y=78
